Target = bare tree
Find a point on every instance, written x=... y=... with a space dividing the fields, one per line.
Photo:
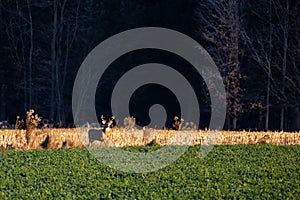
x=293 y=66
x=64 y=28
x=19 y=29
x=259 y=43
x=30 y=92
x=220 y=25
x=269 y=46
x=53 y=59
x=285 y=28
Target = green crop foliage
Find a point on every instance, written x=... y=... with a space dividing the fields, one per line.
x=227 y=172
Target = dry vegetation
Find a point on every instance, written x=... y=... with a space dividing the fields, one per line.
x=66 y=138
x=40 y=138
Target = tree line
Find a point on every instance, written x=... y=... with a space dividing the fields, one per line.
x=255 y=44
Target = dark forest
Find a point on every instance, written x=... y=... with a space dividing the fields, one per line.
x=254 y=43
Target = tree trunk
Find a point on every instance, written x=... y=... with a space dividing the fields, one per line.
x=234 y=123
x=260 y=119
x=228 y=122
x=3 y=103
x=30 y=93
x=296 y=124
x=53 y=61
x=285 y=47
x=269 y=68
x=60 y=114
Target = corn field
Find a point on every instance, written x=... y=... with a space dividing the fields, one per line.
x=67 y=138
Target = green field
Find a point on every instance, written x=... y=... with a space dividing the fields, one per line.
x=228 y=172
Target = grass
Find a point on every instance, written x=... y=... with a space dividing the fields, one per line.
x=228 y=172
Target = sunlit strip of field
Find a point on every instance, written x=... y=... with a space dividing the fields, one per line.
x=58 y=138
